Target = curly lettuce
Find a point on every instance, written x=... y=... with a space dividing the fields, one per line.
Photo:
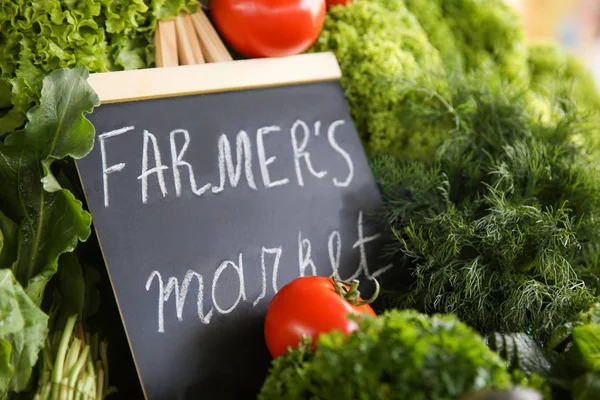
x=39 y=36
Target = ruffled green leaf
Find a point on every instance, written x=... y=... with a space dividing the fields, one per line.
x=40 y=36
x=51 y=219
x=587 y=387
x=9 y=240
x=587 y=340
x=23 y=330
x=167 y=9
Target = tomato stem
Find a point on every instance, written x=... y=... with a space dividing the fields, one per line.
x=352 y=293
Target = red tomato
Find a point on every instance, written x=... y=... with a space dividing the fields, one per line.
x=331 y=3
x=308 y=306
x=269 y=28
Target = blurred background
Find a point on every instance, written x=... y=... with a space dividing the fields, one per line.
x=573 y=23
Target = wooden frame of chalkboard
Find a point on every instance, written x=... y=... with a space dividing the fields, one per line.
x=152 y=83
x=144 y=84
x=299 y=93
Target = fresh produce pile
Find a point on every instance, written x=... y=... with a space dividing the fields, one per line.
x=486 y=150
x=47 y=275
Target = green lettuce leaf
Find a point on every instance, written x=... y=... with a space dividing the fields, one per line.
x=5 y=90
x=587 y=340
x=587 y=387
x=6 y=370
x=51 y=219
x=9 y=234
x=167 y=9
x=23 y=330
x=10 y=121
x=40 y=36
x=128 y=53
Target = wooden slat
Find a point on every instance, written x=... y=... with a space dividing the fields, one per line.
x=193 y=38
x=158 y=54
x=121 y=86
x=165 y=40
x=212 y=45
x=188 y=45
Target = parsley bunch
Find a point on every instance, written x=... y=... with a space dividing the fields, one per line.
x=398 y=355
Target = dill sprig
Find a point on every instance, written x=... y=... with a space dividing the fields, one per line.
x=502 y=227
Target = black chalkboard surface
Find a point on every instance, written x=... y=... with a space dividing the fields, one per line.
x=205 y=205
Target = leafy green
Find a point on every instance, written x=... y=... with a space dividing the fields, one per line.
x=501 y=226
x=41 y=220
x=39 y=36
x=70 y=293
x=553 y=70
x=75 y=292
x=23 y=330
x=584 y=355
x=521 y=352
x=51 y=220
x=473 y=35
x=587 y=339
x=569 y=361
x=167 y=9
x=398 y=355
x=380 y=47
x=73 y=365
x=9 y=236
x=5 y=95
x=587 y=387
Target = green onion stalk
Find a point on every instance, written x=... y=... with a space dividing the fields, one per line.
x=74 y=366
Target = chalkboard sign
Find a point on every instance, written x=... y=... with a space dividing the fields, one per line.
x=210 y=197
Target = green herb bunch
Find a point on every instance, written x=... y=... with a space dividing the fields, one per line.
x=387 y=48
x=501 y=228
x=380 y=47
x=551 y=67
x=398 y=355
x=553 y=70
x=475 y=35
